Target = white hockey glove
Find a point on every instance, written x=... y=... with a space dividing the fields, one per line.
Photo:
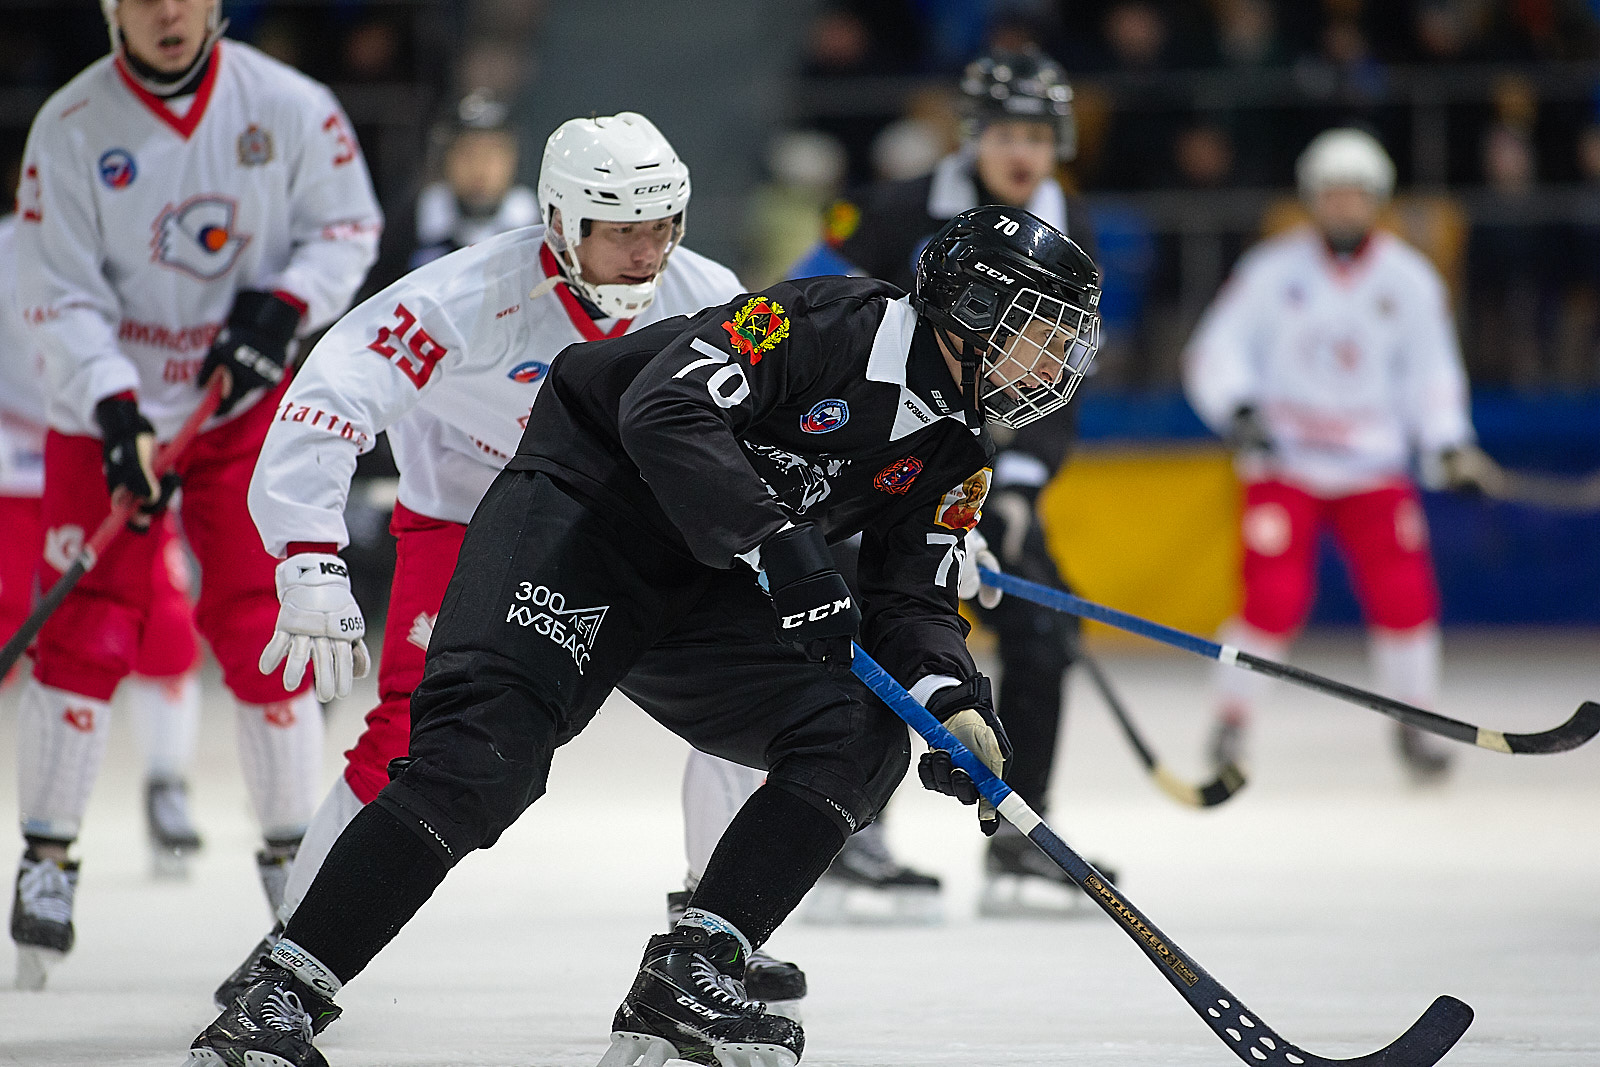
x=319 y=622
x=966 y=710
x=968 y=583
x=1468 y=470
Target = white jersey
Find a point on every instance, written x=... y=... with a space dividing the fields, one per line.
x=21 y=395
x=448 y=360
x=1352 y=365
x=142 y=218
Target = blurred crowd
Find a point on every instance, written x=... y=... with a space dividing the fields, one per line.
x=1190 y=115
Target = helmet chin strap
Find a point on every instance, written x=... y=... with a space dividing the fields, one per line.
x=971 y=357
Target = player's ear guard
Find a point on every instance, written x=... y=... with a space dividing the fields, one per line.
x=966 y=710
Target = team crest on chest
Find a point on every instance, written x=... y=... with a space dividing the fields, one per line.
x=960 y=508
x=757 y=328
x=255 y=146
x=897 y=477
x=198 y=237
x=826 y=416
x=117 y=168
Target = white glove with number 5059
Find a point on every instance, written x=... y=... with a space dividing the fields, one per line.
x=319 y=622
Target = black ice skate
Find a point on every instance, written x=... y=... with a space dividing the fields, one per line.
x=782 y=985
x=1020 y=881
x=1425 y=758
x=865 y=884
x=249 y=972
x=689 y=1003
x=41 y=916
x=173 y=837
x=270 y=1024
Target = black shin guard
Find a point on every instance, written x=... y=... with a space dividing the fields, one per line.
x=373 y=881
x=769 y=857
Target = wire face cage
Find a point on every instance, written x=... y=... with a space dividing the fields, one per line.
x=1035 y=356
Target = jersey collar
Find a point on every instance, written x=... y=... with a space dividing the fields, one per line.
x=575 y=310
x=888 y=363
x=185 y=124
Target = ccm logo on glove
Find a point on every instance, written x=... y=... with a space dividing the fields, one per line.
x=791 y=622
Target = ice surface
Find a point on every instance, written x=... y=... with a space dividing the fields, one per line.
x=1332 y=898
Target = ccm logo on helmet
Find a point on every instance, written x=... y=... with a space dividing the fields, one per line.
x=646 y=190
x=816 y=614
x=998 y=275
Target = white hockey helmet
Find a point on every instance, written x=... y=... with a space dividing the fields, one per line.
x=1345 y=157
x=614 y=168
x=214 y=28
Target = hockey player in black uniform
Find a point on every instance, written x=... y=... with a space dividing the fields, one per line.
x=1018 y=126
x=663 y=529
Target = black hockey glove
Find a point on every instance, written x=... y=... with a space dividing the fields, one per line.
x=814 y=606
x=1008 y=517
x=967 y=710
x=128 y=451
x=1247 y=433
x=252 y=346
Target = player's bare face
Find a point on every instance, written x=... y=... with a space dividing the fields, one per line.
x=165 y=34
x=479 y=168
x=1345 y=213
x=625 y=253
x=1014 y=157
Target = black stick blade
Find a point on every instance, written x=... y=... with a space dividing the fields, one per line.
x=1582 y=727
x=1425 y=1044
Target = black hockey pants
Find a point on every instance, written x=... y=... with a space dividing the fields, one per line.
x=552 y=606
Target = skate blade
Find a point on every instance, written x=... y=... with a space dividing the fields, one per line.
x=1022 y=897
x=740 y=1054
x=839 y=905
x=211 y=1058
x=639 y=1050
x=34 y=965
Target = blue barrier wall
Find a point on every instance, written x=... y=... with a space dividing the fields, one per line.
x=1497 y=562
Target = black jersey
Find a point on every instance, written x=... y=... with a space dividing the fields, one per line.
x=814 y=401
x=881 y=230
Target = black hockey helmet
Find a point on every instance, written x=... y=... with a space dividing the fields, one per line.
x=1021 y=301
x=1025 y=85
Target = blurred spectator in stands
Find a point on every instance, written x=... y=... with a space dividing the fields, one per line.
x=1203 y=155
x=1247 y=34
x=856 y=38
x=1136 y=31
x=1508 y=266
x=1137 y=150
x=1578 y=348
x=1443 y=31
x=372 y=52
x=1531 y=30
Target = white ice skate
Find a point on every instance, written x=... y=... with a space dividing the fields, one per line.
x=173 y=837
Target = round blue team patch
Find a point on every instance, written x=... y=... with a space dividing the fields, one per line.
x=828 y=415
x=117 y=168
x=530 y=371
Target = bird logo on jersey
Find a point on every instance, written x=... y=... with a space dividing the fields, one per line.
x=757 y=328
x=198 y=238
x=827 y=416
x=117 y=168
x=897 y=477
x=530 y=371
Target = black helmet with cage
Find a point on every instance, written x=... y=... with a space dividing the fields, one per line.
x=1019 y=302
x=1027 y=86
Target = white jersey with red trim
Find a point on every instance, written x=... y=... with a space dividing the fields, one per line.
x=448 y=360
x=1352 y=365
x=143 y=218
x=21 y=394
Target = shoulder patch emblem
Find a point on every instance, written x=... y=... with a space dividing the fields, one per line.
x=757 y=328
x=255 y=146
x=897 y=477
x=827 y=416
x=117 y=168
x=961 y=507
x=842 y=220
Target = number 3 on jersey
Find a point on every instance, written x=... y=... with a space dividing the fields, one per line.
x=420 y=353
x=727 y=386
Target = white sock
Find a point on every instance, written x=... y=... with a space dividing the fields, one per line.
x=714 y=790
x=1238 y=690
x=339 y=807
x=1405 y=663
x=166 y=716
x=280 y=748
x=61 y=742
